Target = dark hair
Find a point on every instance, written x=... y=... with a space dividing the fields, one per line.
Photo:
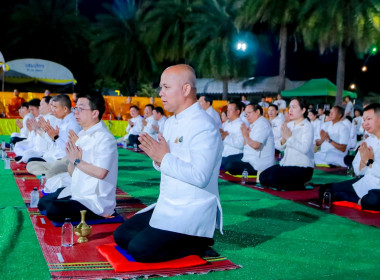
x=303 y=105
x=96 y=102
x=134 y=106
x=159 y=110
x=327 y=113
x=313 y=112
x=35 y=102
x=63 y=100
x=208 y=98
x=340 y=110
x=374 y=106
x=349 y=118
x=243 y=106
x=274 y=106
x=25 y=104
x=256 y=107
x=348 y=97
x=150 y=105
x=244 y=95
x=237 y=105
x=360 y=111
x=47 y=98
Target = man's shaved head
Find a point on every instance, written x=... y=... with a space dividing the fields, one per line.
x=178 y=88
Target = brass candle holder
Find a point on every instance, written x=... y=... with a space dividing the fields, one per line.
x=83 y=229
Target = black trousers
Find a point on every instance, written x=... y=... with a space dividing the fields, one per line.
x=235 y=166
x=133 y=139
x=59 y=209
x=148 y=244
x=14 y=140
x=344 y=191
x=286 y=177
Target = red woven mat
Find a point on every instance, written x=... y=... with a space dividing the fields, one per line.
x=83 y=261
x=310 y=198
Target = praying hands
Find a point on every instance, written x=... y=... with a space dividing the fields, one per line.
x=156 y=150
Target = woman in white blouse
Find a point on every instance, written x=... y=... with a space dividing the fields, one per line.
x=297 y=166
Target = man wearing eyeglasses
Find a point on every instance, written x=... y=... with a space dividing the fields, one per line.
x=93 y=163
x=54 y=160
x=188 y=155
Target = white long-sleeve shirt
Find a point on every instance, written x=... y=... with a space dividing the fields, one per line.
x=263 y=157
x=215 y=116
x=276 y=124
x=189 y=197
x=58 y=148
x=317 y=126
x=150 y=121
x=234 y=141
x=137 y=126
x=299 y=148
x=371 y=179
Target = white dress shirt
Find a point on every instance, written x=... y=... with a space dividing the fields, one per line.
x=24 y=132
x=328 y=154
x=150 y=122
x=234 y=141
x=215 y=116
x=243 y=117
x=349 y=109
x=58 y=148
x=317 y=126
x=352 y=128
x=264 y=104
x=161 y=124
x=371 y=179
x=137 y=126
x=99 y=149
x=276 y=124
x=189 y=197
x=358 y=121
x=41 y=142
x=281 y=104
x=299 y=148
x=262 y=158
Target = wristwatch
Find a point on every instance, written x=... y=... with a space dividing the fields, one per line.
x=56 y=137
x=369 y=162
x=330 y=140
x=76 y=162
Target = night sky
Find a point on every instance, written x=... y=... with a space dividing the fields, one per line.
x=301 y=65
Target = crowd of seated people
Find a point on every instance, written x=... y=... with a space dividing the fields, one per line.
x=60 y=135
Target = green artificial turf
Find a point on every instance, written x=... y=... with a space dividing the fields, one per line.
x=270 y=237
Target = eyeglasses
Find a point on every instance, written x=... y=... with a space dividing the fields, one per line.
x=79 y=109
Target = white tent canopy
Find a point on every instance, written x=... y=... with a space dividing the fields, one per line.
x=32 y=69
x=247 y=86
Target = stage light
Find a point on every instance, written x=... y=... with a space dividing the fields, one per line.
x=352 y=86
x=364 y=68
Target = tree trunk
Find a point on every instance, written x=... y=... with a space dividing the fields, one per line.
x=282 y=70
x=225 y=89
x=340 y=75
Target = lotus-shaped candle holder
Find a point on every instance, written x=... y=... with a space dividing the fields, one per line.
x=83 y=229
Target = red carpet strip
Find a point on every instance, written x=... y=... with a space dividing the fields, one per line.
x=310 y=198
x=83 y=261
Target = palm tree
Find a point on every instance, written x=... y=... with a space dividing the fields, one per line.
x=50 y=30
x=163 y=27
x=210 y=40
x=280 y=15
x=117 y=48
x=340 y=24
